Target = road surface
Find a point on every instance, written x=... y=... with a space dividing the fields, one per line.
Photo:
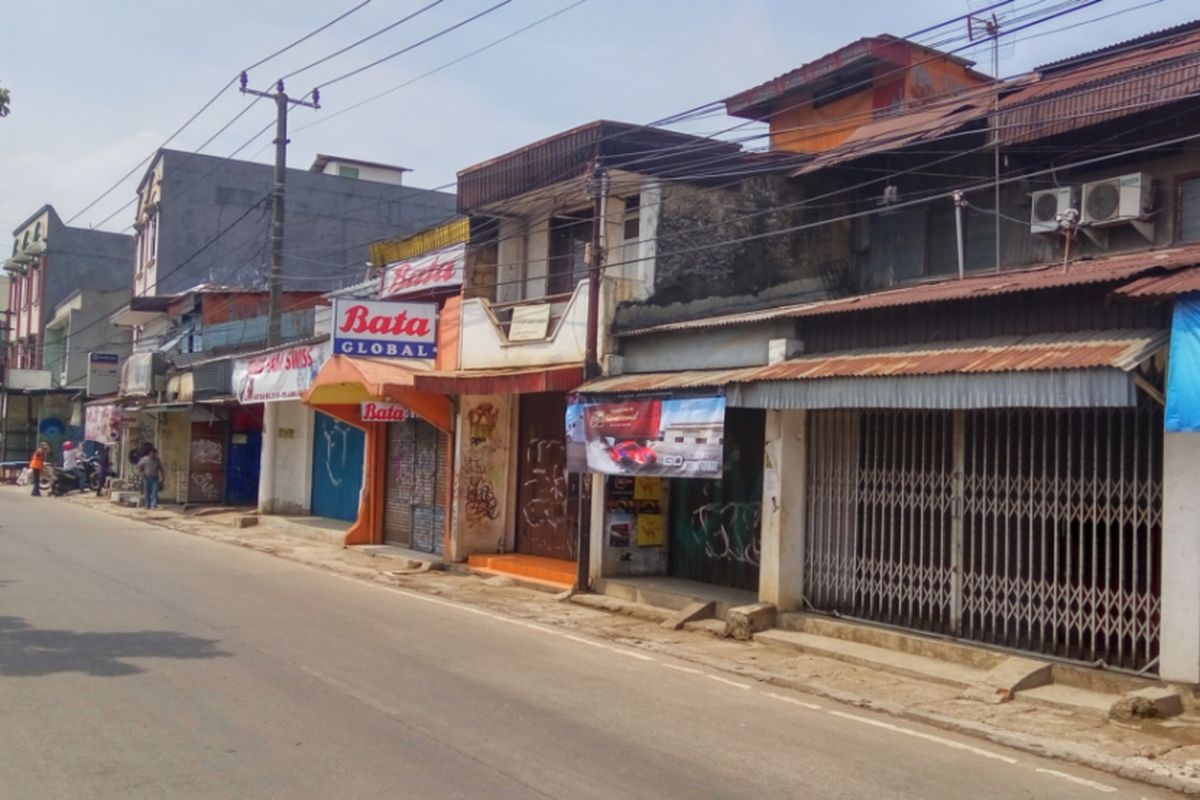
x=137 y=662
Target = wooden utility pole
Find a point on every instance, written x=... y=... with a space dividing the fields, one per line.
x=275 y=277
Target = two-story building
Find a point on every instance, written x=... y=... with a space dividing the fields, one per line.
x=51 y=262
x=947 y=415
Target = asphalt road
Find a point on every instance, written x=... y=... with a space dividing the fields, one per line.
x=137 y=662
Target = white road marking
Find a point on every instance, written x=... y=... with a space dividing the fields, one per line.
x=727 y=682
x=793 y=701
x=688 y=670
x=542 y=629
x=588 y=642
x=1100 y=787
x=631 y=653
x=929 y=737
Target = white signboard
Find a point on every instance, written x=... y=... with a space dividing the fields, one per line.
x=379 y=411
x=104 y=374
x=281 y=375
x=384 y=329
x=529 y=323
x=438 y=270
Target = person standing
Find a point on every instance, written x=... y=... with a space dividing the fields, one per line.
x=151 y=469
x=71 y=463
x=37 y=462
x=102 y=469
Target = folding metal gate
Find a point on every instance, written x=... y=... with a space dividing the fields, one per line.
x=1037 y=529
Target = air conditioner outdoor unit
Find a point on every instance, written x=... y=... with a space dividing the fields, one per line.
x=1048 y=204
x=1124 y=198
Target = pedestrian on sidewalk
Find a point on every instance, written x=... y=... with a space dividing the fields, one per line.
x=102 y=467
x=151 y=469
x=37 y=462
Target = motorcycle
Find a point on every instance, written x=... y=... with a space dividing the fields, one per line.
x=85 y=476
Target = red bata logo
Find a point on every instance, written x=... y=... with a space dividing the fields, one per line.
x=358 y=320
x=383 y=412
x=407 y=276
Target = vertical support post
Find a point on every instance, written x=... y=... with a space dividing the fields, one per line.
x=267 y=458
x=781 y=571
x=275 y=299
x=957 y=494
x=1179 y=639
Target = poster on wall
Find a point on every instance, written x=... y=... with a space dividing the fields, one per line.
x=1183 y=379
x=669 y=437
x=102 y=423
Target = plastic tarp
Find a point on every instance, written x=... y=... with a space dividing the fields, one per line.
x=1183 y=380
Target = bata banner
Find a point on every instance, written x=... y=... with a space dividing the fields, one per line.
x=384 y=329
x=281 y=375
x=670 y=437
x=440 y=270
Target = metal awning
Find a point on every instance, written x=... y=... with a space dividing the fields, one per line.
x=164 y=408
x=349 y=381
x=1083 y=369
x=522 y=380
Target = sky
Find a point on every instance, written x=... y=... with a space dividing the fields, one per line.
x=97 y=86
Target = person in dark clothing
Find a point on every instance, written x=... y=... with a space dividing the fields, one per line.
x=101 y=468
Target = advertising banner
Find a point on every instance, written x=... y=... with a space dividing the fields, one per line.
x=384 y=329
x=1183 y=377
x=281 y=375
x=672 y=437
x=102 y=423
x=440 y=270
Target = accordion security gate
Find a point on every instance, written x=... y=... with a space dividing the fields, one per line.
x=1035 y=529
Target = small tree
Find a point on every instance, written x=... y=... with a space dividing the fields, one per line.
x=3 y=102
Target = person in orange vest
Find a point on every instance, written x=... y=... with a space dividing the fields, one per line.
x=37 y=462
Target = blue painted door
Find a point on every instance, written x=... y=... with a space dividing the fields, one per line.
x=241 y=468
x=337 y=468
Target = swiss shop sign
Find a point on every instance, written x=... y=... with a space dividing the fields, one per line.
x=433 y=271
x=384 y=329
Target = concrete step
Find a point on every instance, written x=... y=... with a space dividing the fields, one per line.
x=549 y=570
x=867 y=655
x=1070 y=698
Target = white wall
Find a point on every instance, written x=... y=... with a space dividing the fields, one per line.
x=291 y=486
x=485 y=346
x=1180 y=639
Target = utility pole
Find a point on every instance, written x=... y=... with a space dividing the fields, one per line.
x=275 y=278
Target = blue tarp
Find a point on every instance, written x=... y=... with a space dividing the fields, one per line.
x=1183 y=381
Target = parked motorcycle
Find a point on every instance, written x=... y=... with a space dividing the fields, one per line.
x=84 y=477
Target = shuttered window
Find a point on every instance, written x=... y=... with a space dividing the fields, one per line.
x=1189 y=210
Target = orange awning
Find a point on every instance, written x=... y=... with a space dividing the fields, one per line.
x=348 y=381
x=518 y=380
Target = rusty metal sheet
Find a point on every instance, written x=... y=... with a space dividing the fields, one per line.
x=1061 y=351
x=992 y=284
x=547 y=495
x=1162 y=287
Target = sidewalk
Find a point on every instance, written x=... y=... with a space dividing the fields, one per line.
x=1161 y=752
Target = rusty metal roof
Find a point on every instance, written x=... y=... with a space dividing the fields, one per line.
x=1104 y=87
x=1162 y=287
x=568 y=155
x=756 y=101
x=1122 y=350
x=992 y=284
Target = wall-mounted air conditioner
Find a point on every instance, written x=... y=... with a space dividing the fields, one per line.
x=1122 y=198
x=1047 y=205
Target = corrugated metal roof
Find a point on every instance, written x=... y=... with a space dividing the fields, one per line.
x=992 y=284
x=1108 y=87
x=1121 y=350
x=1162 y=287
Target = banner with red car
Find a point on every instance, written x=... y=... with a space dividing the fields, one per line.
x=679 y=437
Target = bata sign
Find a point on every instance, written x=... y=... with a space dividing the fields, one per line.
x=281 y=375
x=384 y=329
x=384 y=412
x=433 y=271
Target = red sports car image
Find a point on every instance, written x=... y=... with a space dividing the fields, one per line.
x=631 y=454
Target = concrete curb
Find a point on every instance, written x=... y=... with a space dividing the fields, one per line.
x=1143 y=770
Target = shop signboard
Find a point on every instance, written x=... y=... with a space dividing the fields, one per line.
x=102 y=423
x=384 y=329
x=280 y=375
x=380 y=411
x=668 y=437
x=104 y=374
x=440 y=270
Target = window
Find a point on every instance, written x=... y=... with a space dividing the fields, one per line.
x=152 y=247
x=633 y=223
x=1189 y=210
x=25 y=241
x=37 y=232
x=569 y=238
x=347 y=172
